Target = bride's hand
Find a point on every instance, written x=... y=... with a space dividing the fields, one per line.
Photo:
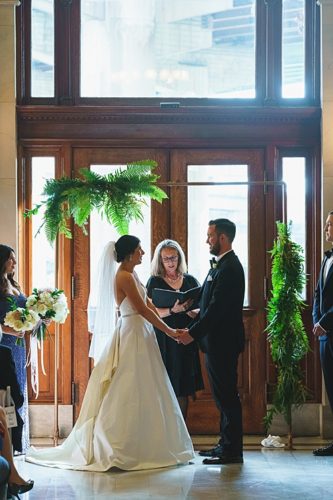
x=173 y=333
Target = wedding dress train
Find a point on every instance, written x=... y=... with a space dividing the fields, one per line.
x=130 y=417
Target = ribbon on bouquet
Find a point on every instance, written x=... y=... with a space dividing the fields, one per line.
x=36 y=344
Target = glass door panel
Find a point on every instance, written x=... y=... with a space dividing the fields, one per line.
x=205 y=203
x=101 y=231
x=43 y=253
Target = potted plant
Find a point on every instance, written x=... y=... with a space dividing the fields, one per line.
x=286 y=334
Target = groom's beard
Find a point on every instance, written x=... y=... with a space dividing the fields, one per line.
x=215 y=250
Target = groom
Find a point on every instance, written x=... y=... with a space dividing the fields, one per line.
x=219 y=330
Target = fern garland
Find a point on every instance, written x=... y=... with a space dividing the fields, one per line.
x=118 y=196
x=286 y=334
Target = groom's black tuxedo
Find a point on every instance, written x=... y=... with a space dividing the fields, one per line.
x=323 y=314
x=220 y=333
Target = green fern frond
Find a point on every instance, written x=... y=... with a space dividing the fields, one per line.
x=119 y=196
x=285 y=331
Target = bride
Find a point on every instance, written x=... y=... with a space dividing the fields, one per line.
x=130 y=416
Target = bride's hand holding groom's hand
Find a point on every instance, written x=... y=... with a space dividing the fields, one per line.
x=183 y=336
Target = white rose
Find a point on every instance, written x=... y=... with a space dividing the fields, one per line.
x=45 y=297
x=61 y=313
x=31 y=300
x=42 y=309
x=18 y=325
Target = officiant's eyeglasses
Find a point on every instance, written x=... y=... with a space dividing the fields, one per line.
x=173 y=258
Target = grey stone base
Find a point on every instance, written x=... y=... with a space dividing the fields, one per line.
x=309 y=420
x=305 y=422
x=42 y=420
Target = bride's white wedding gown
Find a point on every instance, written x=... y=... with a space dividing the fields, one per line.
x=130 y=417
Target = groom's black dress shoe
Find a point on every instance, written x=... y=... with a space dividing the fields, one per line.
x=212 y=452
x=224 y=460
x=326 y=451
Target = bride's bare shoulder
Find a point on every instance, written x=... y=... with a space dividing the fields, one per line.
x=124 y=276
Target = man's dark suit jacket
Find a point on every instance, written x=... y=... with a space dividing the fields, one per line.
x=8 y=377
x=220 y=324
x=323 y=301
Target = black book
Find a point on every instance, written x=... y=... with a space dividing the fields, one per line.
x=167 y=298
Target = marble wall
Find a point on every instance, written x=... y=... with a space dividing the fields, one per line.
x=8 y=150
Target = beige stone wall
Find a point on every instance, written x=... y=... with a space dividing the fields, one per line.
x=327 y=103
x=8 y=150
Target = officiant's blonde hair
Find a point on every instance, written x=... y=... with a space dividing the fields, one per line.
x=157 y=268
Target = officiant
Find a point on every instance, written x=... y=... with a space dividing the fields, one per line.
x=169 y=272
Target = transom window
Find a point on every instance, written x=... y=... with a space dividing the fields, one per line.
x=210 y=51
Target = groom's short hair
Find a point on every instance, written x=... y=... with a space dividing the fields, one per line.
x=224 y=226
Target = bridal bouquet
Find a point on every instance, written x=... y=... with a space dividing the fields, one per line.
x=50 y=304
x=21 y=319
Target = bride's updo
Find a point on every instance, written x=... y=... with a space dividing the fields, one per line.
x=125 y=246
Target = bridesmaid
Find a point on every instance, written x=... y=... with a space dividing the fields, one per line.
x=10 y=288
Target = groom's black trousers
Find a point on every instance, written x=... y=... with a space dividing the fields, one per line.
x=222 y=374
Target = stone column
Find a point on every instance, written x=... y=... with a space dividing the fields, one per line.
x=8 y=147
x=326 y=417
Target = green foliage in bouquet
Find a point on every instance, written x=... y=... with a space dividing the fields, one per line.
x=118 y=196
x=286 y=333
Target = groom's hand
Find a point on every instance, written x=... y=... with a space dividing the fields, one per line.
x=184 y=337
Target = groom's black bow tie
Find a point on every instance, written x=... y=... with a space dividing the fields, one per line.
x=213 y=263
x=329 y=253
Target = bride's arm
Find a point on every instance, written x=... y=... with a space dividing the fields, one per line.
x=127 y=284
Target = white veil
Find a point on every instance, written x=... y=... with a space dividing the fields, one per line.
x=101 y=304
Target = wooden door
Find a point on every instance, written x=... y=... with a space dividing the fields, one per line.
x=94 y=158
x=244 y=204
x=179 y=217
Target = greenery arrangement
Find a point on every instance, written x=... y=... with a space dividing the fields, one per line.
x=286 y=333
x=118 y=196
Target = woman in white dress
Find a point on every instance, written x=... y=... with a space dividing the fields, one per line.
x=130 y=417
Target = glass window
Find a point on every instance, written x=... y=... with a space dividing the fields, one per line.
x=293 y=174
x=42 y=48
x=174 y=48
x=213 y=202
x=101 y=232
x=43 y=254
x=293 y=48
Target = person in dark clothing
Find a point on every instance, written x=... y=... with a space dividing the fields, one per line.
x=8 y=378
x=219 y=330
x=168 y=271
x=323 y=322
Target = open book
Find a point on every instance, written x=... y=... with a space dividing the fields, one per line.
x=167 y=298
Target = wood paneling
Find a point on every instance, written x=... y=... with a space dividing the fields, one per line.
x=185 y=127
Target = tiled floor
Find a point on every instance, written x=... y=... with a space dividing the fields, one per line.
x=266 y=474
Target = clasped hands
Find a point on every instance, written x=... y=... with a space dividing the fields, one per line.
x=182 y=336
x=318 y=330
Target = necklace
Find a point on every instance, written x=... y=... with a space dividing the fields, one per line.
x=173 y=280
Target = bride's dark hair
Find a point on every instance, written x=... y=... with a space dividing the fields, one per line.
x=125 y=246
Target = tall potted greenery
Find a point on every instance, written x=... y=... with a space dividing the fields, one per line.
x=286 y=333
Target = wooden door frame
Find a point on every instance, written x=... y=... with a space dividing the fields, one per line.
x=61 y=155
x=253 y=394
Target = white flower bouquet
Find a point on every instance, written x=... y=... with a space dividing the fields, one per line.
x=21 y=319
x=50 y=304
